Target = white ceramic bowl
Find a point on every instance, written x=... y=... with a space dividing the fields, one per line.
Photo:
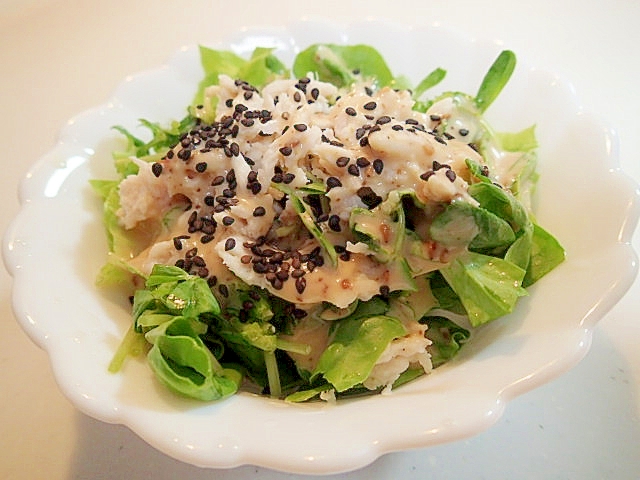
x=56 y=245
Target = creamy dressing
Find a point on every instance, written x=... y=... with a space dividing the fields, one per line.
x=238 y=225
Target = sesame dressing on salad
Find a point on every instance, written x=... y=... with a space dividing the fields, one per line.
x=326 y=232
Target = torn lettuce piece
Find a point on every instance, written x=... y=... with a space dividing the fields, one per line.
x=356 y=346
x=343 y=65
x=463 y=224
x=261 y=68
x=488 y=287
x=546 y=254
x=447 y=339
x=182 y=362
x=181 y=293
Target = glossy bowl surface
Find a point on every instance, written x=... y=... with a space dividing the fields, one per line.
x=56 y=245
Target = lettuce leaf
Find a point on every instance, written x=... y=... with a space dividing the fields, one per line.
x=357 y=344
x=488 y=287
x=343 y=65
x=182 y=362
x=447 y=339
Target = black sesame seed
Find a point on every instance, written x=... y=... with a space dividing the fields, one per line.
x=301 y=284
x=206 y=238
x=464 y=132
x=427 y=175
x=227 y=220
x=370 y=106
x=334 y=223
x=259 y=267
x=362 y=162
x=315 y=93
x=451 y=175
x=219 y=180
x=235 y=149
x=435 y=118
x=247 y=305
x=301 y=127
x=229 y=244
x=353 y=170
x=156 y=168
x=342 y=161
x=333 y=182
x=259 y=211
x=297 y=96
x=360 y=133
x=378 y=166
x=370 y=198
x=299 y=313
x=255 y=188
x=286 y=151
x=224 y=291
x=201 y=167
x=397 y=128
x=384 y=119
x=364 y=141
x=288 y=178
x=282 y=275
x=184 y=154
x=229 y=102
x=198 y=261
x=177 y=241
x=385 y=290
x=350 y=111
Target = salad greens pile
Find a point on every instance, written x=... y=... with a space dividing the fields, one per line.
x=207 y=347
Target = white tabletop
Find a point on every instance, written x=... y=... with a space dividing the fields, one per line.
x=60 y=57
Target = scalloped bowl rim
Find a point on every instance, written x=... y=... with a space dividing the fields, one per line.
x=453 y=403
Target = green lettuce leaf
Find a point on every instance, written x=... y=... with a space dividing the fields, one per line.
x=496 y=78
x=182 y=362
x=447 y=339
x=355 y=348
x=488 y=287
x=546 y=254
x=343 y=65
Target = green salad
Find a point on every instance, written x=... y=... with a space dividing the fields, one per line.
x=319 y=230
